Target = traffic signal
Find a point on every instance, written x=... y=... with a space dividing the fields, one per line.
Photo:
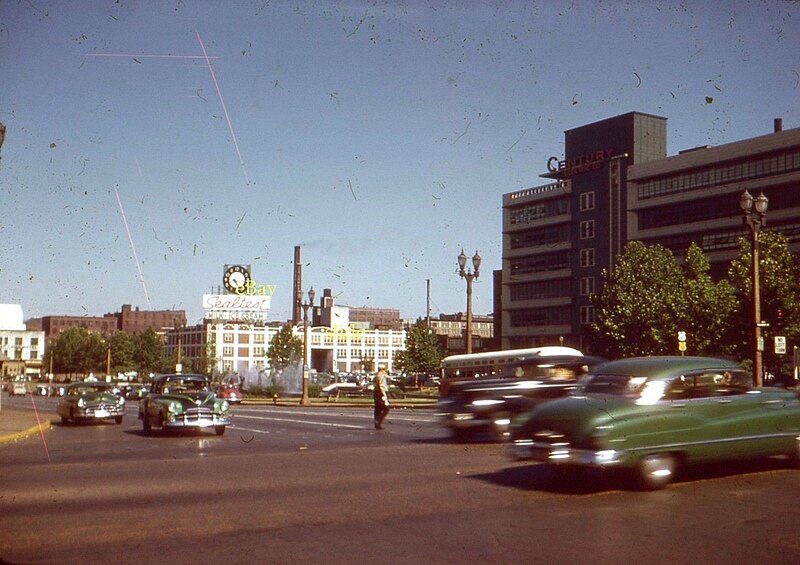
x=779 y=318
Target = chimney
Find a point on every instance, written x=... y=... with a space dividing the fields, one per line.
x=298 y=287
x=778 y=124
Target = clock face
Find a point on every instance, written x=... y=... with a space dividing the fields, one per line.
x=235 y=277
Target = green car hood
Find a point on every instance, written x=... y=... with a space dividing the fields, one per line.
x=575 y=416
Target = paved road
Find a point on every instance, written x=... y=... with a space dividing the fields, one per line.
x=300 y=485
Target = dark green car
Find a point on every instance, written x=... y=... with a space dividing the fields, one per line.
x=653 y=414
x=183 y=401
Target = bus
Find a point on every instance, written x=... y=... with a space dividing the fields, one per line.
x=495 y=364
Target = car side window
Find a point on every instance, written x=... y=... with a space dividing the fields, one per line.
x=707 y=384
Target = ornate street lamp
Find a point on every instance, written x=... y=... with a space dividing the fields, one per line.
x=468 y=274
x=755 y=220
x=306 y=351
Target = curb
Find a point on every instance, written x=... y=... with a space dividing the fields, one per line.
x=33 y=430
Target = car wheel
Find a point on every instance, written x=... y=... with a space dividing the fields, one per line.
x=219 y=430
x=64 y=420
x=161 y=421
x=146 y=423
x=655 y=471
x=117 y=419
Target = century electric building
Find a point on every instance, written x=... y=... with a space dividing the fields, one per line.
x=616 y=184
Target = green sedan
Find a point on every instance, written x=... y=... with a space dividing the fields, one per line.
x=654 y=414
x=183 y=401
x=90 y=401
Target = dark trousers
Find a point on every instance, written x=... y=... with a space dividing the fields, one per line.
x=381 y=411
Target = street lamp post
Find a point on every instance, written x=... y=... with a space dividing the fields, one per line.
x=468 y=274
x=755 y=220
x=306 y=351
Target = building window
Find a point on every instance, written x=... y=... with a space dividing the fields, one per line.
x=258 y=338
x=587 y=229
x=227 y=337
x=587 y=201
x=587 y=314
x=227 y=351
x=587 y=257
x=587 y=286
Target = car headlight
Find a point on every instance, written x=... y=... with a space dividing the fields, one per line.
x=224 y=406
x=121 y=401
x=81 y=402
x=175 y=407
x=487 y=402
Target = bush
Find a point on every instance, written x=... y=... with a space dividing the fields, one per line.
x=264 y=391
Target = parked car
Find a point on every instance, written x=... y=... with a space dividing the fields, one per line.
x=651 y=415
x=183 y=401
x=90 y=401
x=486 y=407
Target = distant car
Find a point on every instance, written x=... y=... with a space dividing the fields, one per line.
x=90 y=401
x=17 y=388
x=133 y=391
x=230 y=391
x=183 y=401
x=651 y=415
x=486 y=407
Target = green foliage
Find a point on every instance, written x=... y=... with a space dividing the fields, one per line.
x=649 y=298
x=149 y=353
x=422 y=353
x=284 y=347
x=779 y=289
x=123 y=349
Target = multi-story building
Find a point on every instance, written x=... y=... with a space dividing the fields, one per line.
x=128 y=320
x=557 y=238
x=452 y=332
x=335 y=344
x=21 y=349
x=693 y=197
x=133 y=321
x=615 y=185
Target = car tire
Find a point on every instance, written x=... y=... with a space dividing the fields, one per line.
x=219 y=430
x=655 y=471
x=64 y=420
x=146 y=424
x=117 y=419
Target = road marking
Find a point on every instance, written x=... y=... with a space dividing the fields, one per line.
x=292 y=421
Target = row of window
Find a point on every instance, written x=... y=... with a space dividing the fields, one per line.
x=549 y=316
x=770 y=165
x=534 y=212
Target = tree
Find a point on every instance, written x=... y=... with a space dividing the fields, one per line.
x=122 y=352
x=779 y=289
x=149 y=353
x=422 y=353
x=284 y=347
x=649 y=297
x=635 y=312
x=708 y=308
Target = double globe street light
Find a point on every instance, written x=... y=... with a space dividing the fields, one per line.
x=755 y=220
x=306 y=356
x=468 y=274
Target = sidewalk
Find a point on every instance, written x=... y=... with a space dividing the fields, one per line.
x=16 y=424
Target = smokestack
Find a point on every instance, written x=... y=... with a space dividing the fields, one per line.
x=778 y=124
x=298 y=286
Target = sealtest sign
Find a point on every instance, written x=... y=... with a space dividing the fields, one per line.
x=245 y=299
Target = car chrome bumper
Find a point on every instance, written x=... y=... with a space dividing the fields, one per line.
x=562 y=454
x=99 y=413
x=183 y=421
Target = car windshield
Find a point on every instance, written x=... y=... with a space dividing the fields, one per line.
x=617 y=385
x=86 y=389
x=183 y=386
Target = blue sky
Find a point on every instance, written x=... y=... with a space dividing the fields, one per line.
x=379 y=136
